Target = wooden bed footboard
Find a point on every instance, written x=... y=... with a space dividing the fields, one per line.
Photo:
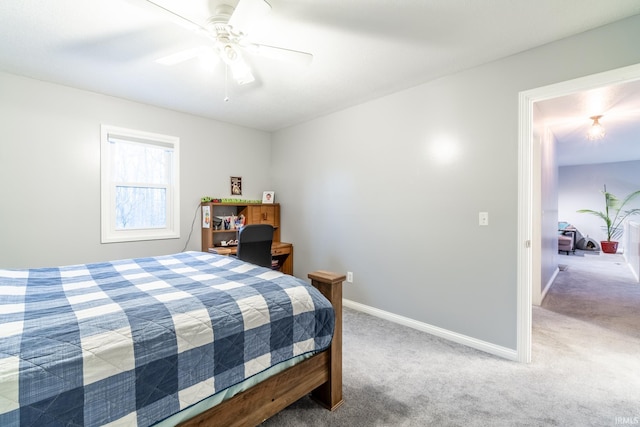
x=320 y=375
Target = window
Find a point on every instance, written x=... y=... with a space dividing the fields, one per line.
x=140 y=197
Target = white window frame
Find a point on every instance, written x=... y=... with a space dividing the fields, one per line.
x=109 y=233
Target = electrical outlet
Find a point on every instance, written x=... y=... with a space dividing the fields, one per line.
x=349 y=277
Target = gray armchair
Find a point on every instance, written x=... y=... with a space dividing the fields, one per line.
x=566 y=238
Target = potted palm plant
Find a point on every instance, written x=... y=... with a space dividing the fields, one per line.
x=613 y=217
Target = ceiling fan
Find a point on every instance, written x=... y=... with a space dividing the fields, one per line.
x=227 y=28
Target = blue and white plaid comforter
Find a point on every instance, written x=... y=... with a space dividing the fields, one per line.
x=131 y=342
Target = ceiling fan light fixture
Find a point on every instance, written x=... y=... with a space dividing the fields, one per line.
x=596 y=131
x=242 y=74
x=239 y=69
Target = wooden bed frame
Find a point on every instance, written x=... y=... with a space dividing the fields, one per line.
x=320 y=375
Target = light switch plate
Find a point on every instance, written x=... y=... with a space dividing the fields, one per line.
x=483 y=218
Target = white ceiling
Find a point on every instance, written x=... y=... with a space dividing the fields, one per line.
x=568 y=118
x=362 y=49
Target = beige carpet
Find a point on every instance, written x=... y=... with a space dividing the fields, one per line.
x=585 y=369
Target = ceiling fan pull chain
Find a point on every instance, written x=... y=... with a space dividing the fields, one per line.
x=226 y=83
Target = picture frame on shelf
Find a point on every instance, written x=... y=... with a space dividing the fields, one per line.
x=268 y=196
x=236 y=186
x=206 y=217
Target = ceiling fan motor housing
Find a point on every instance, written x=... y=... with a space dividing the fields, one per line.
x=219 y=21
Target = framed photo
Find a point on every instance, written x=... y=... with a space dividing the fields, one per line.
x=268 y=196
x=236 y=186
x=206 y=217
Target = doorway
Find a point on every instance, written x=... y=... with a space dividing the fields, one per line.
x=528 y=204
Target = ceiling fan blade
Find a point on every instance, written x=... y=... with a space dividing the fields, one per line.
x=279 y=53
x=206 y=53
x=247 y=13
x=164 y=13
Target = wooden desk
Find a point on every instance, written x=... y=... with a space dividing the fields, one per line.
x=282 y=251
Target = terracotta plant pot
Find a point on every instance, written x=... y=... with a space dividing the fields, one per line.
x=609 y=247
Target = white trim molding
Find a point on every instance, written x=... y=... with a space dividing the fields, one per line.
x=526 y=176
x=168 y=183
x=546 y=288
x=525 y=229
x=487 y=347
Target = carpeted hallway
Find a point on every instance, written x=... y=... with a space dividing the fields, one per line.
x=585 y=369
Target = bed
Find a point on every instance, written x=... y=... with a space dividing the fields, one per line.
x=184 y=339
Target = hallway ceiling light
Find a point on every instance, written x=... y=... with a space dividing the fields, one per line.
x=596 y=131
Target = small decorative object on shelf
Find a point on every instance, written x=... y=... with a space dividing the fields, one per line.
x=239 y=221
x=268 y=196
x=217 y=223
x=206 y=216
x=208 y=199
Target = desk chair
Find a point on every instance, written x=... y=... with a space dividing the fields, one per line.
x=254 y=244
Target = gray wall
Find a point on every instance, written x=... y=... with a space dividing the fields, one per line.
x=364 y=192
x=579 y=187
x=632 y=244
x=50 y=171
x=545 y=160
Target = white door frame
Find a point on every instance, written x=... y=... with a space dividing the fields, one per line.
x=527 y=175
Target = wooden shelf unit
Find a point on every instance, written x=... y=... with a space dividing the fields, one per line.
x=254 y=213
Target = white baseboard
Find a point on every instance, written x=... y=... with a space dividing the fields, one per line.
x=633 y=271
x=487 y=347
x=546 y=287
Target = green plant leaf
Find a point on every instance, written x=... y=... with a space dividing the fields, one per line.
x=613 y=215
